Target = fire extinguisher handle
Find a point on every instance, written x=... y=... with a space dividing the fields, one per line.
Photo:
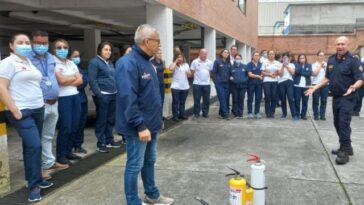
x=235 y=172
x=254 y=158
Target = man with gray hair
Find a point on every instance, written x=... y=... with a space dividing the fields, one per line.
x=139 y=117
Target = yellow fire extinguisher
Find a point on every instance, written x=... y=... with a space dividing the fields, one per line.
x=249 y=195
x=237 y=186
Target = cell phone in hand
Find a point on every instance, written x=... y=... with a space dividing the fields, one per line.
x=285 y=60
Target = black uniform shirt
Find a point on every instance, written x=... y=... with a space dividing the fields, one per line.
x=343 y=73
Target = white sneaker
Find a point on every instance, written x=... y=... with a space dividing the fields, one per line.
x=162 y=200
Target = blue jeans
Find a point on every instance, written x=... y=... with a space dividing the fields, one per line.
x=105 y=118
x=29 y=128
x=222 y=89
x=69 y=108
x=254 y=90
x=270 y=94
x=320 y=95
x=286 y=93
x=238 y=100
x=141 y=157
x=204 y=92
x=179 y=98
x=81 y=127
x=299 y=94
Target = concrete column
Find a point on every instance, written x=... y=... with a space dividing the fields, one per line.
x=92 y=38
x=361 y=51
x=230 y=42
x=248 y=54
x=161 y=18
x=4 y=158
x=242 y=50
x=210 y=43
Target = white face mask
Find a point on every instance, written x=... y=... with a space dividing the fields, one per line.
x=237 y=62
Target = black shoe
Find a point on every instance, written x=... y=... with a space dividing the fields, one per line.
x=183 y=118
x=323 y=118
x=175 y=119
x=304 y=118
x=63 y=161
x=205 y=116
x=348 y=149
x=80 y=150
x=113 y=145
x=73 y=157
x=102 y=148
x=356 y=114
x=342 y=157
x=316 y=118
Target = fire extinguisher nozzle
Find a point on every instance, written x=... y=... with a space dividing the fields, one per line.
x=203 y=202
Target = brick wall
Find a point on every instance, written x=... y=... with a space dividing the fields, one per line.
x=222 y=15
x=309 y=44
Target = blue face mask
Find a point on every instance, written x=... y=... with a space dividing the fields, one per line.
x=23 y=50
x=40 y=49
x=237 y=62
x=62 y=53
x=76 y=60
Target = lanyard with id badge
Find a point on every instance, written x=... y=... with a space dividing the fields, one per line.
x=46 y=79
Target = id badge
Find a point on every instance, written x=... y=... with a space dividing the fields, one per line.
x=48 y=82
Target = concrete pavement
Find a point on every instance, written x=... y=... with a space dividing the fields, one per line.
x=193 y=157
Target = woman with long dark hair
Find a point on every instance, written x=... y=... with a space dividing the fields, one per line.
x=270 y=83
x=221 y=74
x=69 y=104
x=302 y=80
x=319 y=97
x=101 y=74
x=285 y=84
x=180 y=86
x=22 y=95
x=75 y=57
x=255 y=87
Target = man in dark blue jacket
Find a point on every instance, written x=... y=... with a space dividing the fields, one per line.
x=138 y=115
x=345 y=75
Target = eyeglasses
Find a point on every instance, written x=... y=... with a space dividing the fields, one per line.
x=155 y=39
x=40 y=43
x=61 y=47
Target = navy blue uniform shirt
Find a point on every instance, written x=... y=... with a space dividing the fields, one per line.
x=302 y=70
x=256 y=70
x=160 y=70
x=221 y=71
x=138 y=101
x=343 y=73
x=101 y=75
x=81 y=88
x=240 y=75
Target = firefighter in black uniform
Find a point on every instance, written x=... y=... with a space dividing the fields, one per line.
x=345 y=74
